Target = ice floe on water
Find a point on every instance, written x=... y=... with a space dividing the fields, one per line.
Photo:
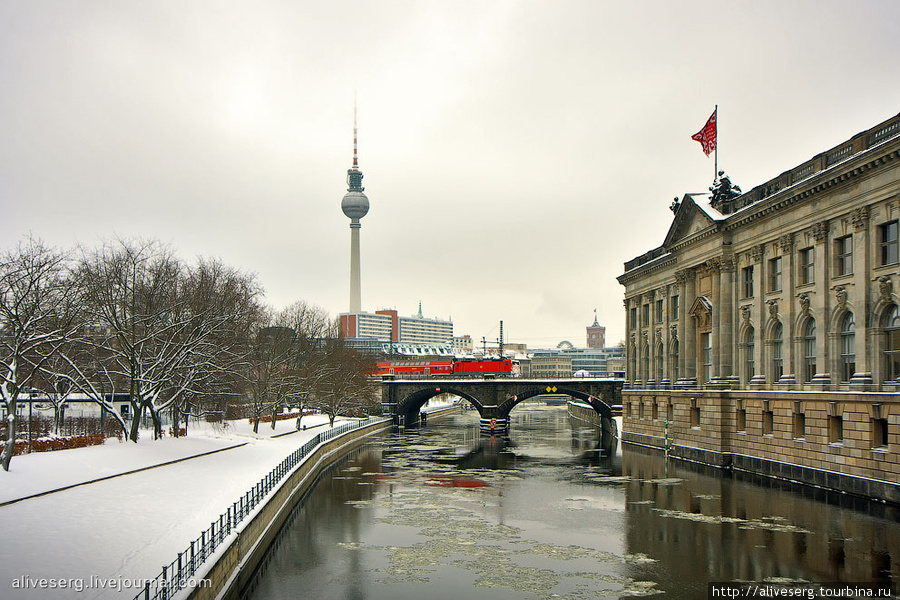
x=496 y=555
x=767 y=523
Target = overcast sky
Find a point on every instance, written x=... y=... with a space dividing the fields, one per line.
x=515 y=153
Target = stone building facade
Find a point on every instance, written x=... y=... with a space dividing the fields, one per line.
x=767 y=322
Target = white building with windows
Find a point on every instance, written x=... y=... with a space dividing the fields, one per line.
x=386 y=331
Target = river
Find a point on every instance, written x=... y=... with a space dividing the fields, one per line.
x=444 y=512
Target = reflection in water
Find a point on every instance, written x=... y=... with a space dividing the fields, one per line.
x=446 y=513
x=703 y=527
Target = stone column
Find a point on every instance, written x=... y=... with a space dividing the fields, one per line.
x=714 y=268
x=629 y=329
x=681 y=282
x=646 y=343
x=821 y=305
x=690 y=329
x=834 y=335
x=789 y=314
x=663 y=338
x=758 y=316
x=727 y=345
x=862 y=379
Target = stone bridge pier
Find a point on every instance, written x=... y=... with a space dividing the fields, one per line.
x=495 y=398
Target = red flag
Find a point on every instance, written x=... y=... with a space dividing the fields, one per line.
x=707 y=135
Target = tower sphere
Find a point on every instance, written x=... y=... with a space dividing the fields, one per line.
x=355 y=204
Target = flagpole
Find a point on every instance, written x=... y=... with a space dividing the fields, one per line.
x=716 y=159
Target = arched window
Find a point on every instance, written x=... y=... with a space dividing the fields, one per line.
x=706 y=356
x=659 y=362
x=809 y=350
x=848 y=347
x=749 y=350
x=645 y=363
x=891 y=325
x=632 y=363
x=777 y=352
x=674 y=358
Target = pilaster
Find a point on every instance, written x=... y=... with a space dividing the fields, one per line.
x=862 y=379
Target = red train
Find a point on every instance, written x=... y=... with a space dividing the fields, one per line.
x=448 y=366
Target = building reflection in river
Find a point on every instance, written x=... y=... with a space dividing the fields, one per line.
x=705 y=526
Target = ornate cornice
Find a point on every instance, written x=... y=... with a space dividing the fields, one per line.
x=642 y=270
x=821 y=182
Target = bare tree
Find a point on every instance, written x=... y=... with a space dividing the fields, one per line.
x=165 y=323
x=309 y=365
x=350 y=390
x=270 y=373
x=220 y=306
x=55 y=387
x=34 y=322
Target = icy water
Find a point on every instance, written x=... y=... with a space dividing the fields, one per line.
x=446 y=513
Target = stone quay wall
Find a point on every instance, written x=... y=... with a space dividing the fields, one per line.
x=846 y=442
x=232 y=569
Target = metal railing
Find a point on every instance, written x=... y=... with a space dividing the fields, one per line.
x=180 y=572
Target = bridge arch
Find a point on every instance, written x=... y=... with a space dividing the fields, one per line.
x=494 y=398
x=409 y=406
x=609 y=431
x=598 y=404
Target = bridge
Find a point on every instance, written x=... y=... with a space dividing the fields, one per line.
x=494 y=398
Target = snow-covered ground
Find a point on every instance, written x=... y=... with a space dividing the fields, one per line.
x=126 y=527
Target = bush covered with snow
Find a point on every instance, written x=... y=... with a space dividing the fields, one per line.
x=49 y=443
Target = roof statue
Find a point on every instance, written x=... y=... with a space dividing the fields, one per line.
x=723 y=190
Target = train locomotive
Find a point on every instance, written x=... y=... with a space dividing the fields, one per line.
x=448 y=367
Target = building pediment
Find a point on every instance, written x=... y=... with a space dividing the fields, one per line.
x=690 y=219
x=701 y=310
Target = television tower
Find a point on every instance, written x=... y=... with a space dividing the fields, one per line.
x=355 y=205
